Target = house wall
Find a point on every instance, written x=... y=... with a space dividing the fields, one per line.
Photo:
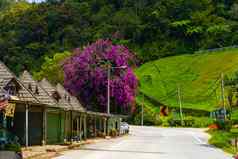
x=77 y=126
x=90 y=126
x=113 y=123
x=35 y=120
x=59 y=125
x=35 y=126
x=19 y=123
x=67 y=125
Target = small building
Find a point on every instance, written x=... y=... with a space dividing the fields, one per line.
x=51 y=114
x=40 y=113
x=59 y=120
x=77 y=115
x=25 y=120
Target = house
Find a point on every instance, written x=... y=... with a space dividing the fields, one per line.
x=52 y=112
x=59 y=119
x=40 y=113
x=24 y=119
x=77 y=125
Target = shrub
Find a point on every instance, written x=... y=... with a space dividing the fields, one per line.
x=13 y=147
x=220 y=139
x=224 y=125
x=113 y=133
x=190 y=121
x=166 y=121
x=202 y=122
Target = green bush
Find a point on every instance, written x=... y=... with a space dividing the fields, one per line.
x=224 y=125
x=220 y=139
x=190 y=121
x=234 y=121
x=202 y=122
x=13 y=147
x=113 y=133
x=165 y=121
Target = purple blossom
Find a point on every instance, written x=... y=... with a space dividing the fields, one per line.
x=86 y=74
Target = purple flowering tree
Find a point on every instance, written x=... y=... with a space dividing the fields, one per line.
x=86 y=76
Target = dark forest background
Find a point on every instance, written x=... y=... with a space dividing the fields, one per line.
x=29 y=32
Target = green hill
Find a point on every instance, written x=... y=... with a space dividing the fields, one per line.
x=197 y=75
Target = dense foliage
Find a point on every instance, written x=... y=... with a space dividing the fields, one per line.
x=86 y=76
x=151 y=28
x=222 y=139
x=52 y=68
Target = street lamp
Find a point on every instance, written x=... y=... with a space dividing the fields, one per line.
x=108 y=84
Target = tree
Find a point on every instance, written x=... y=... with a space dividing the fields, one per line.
x=153 y=29
x=86 y=76
x=52 y=68
x=6 y=3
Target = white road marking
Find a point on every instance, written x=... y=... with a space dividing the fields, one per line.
x=152 y=143
x=198 y=139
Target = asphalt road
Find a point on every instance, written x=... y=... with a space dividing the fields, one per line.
x=151 y=143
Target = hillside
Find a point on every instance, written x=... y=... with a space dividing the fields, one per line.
x=198 y=76
x=152 y=29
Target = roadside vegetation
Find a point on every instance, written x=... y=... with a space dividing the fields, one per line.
x=222 y=140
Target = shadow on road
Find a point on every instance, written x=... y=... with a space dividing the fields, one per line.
x=125 y=151
x=207 y=145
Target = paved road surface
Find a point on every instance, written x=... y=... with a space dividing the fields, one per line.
x=151 y=143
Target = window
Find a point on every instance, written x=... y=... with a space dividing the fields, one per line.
x=37 y=90
x=12 y=89
x=56 y=96
x=29 y=87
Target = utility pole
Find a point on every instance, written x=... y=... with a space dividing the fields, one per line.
x=142 y=110
x=223 y=94
x=180 y=104
x=108 y=84
x=108 y=89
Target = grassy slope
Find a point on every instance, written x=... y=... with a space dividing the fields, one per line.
x=198 y=76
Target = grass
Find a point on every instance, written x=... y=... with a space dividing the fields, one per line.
x=151 y=112
x=234 y=115
x=221 y=139
x=198 y=76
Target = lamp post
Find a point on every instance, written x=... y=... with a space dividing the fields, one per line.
x=108 y=84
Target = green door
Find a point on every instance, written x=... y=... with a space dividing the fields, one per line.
x=54 y=128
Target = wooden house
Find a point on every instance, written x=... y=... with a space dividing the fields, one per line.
x=59 y=119
x=52 y=112
x=25 y=119
x=41 y=113
x=77 y=127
